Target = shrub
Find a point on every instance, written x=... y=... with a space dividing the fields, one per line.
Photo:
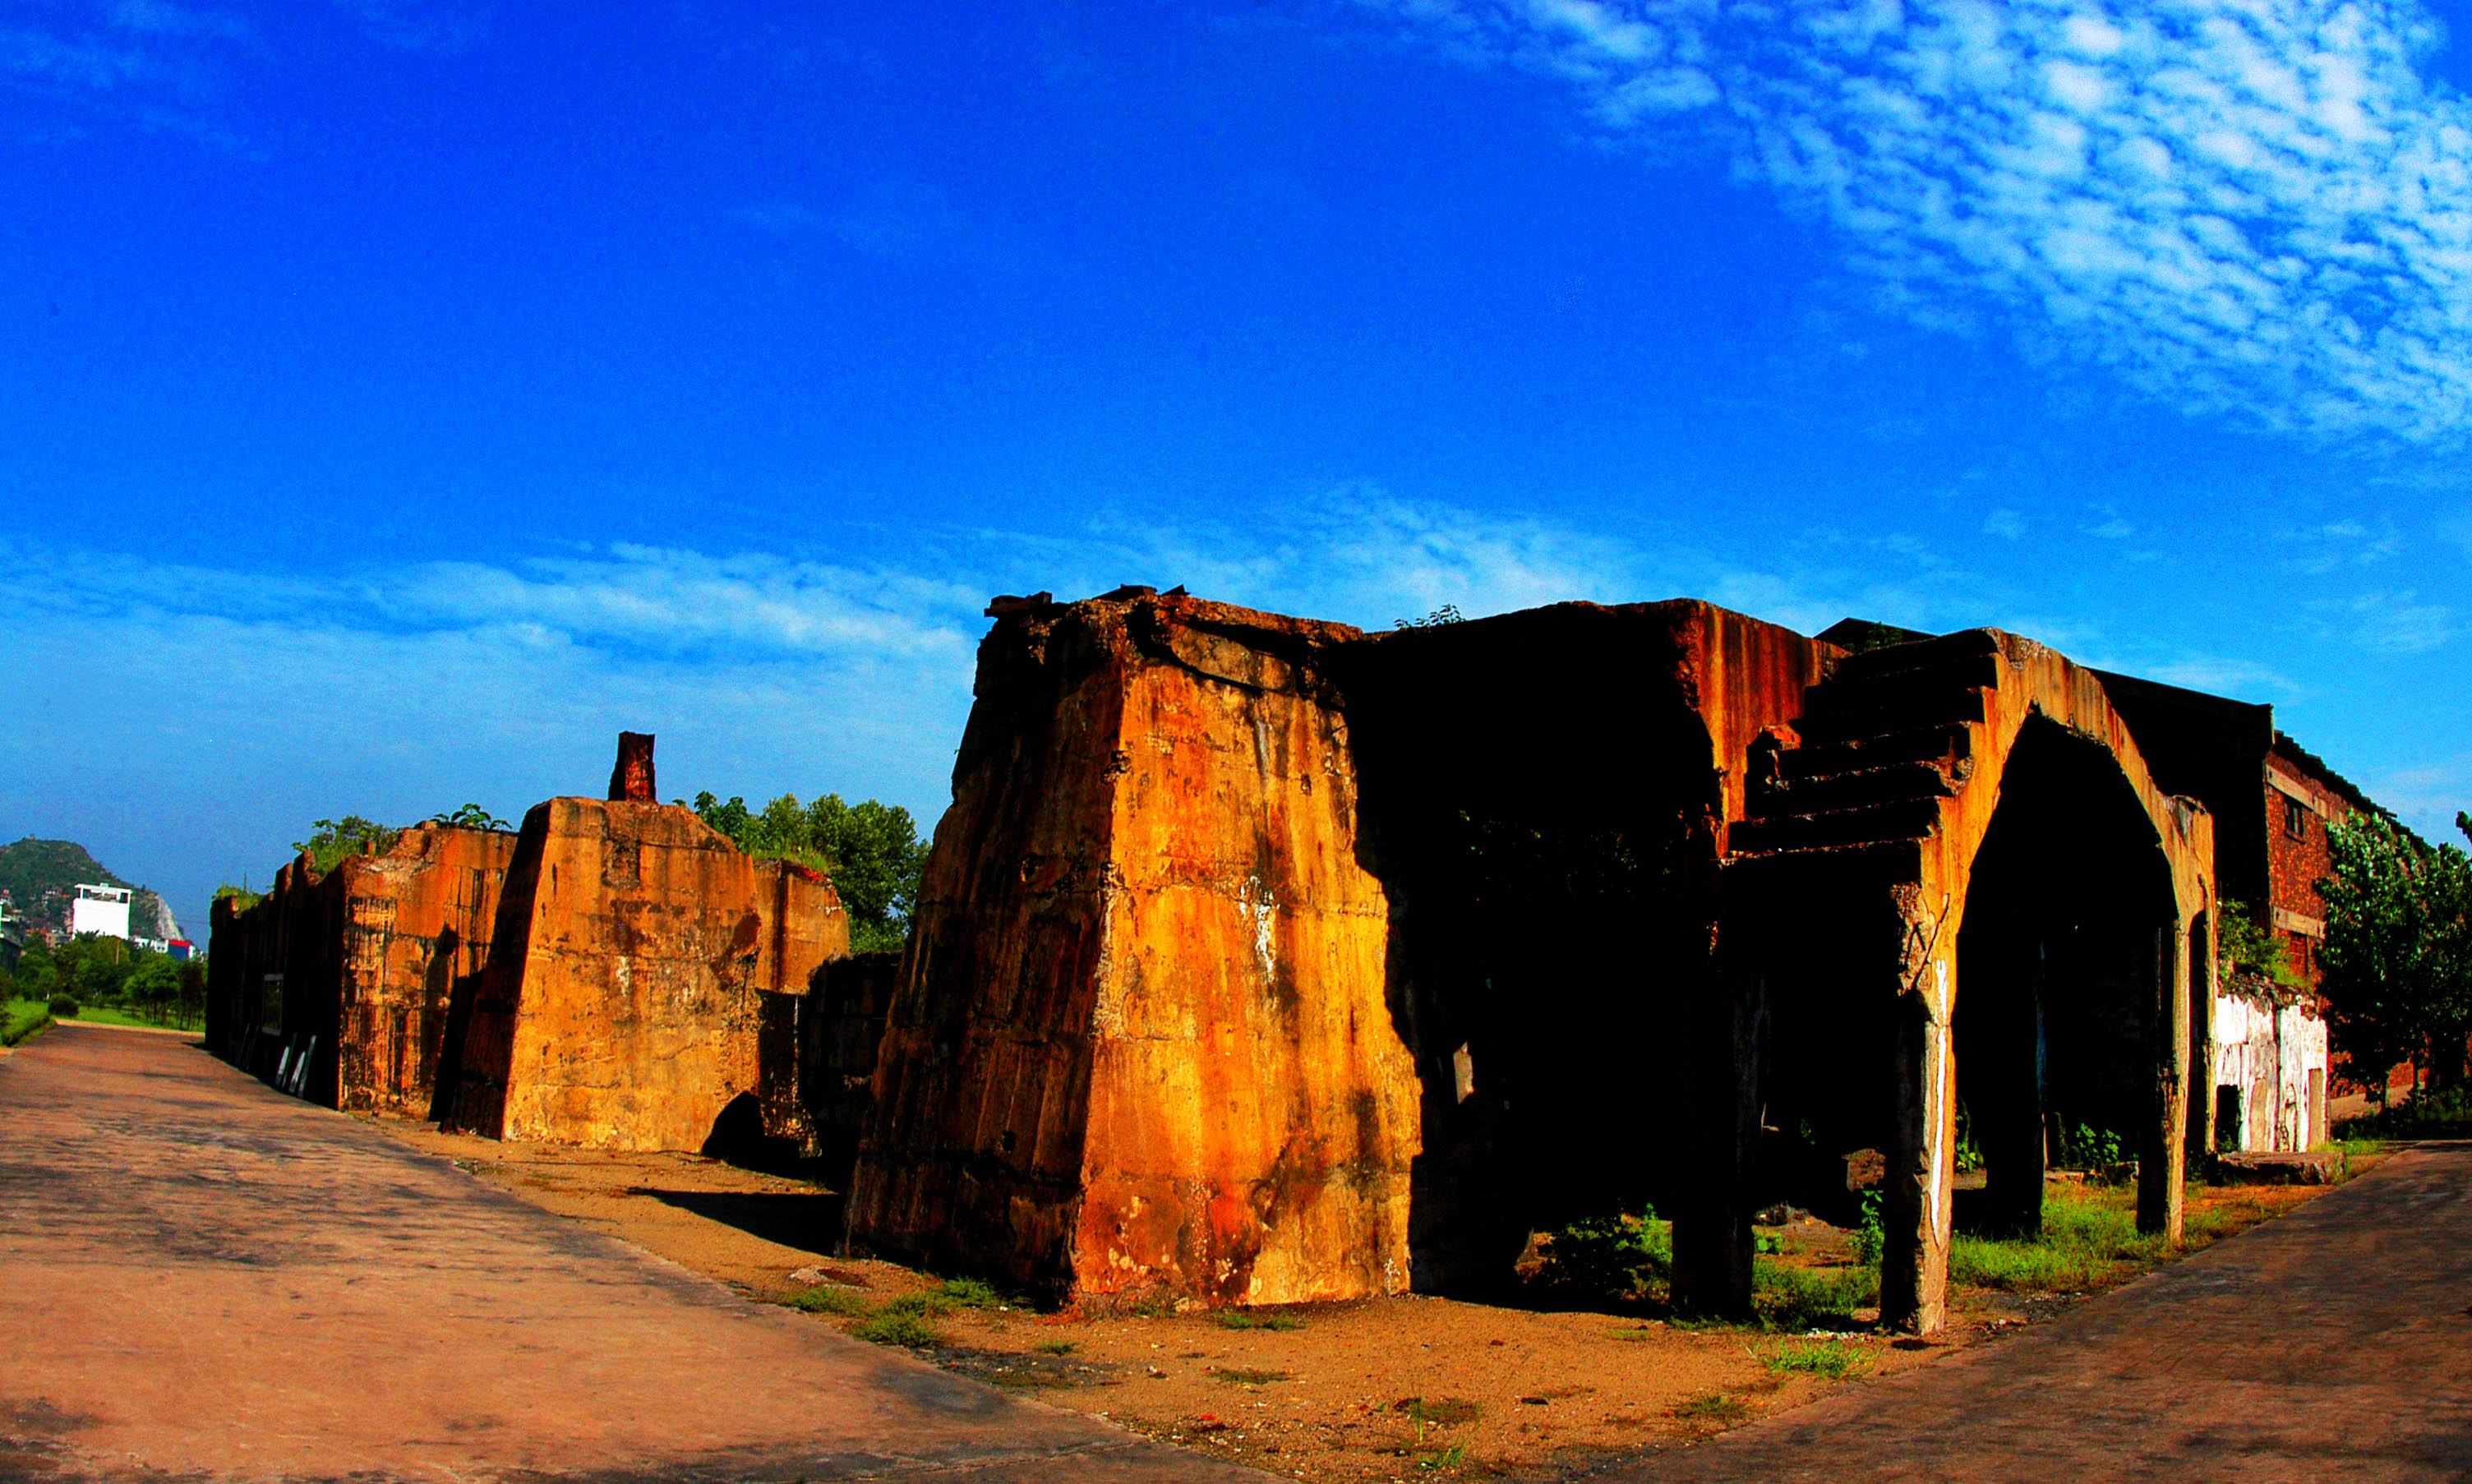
x=65 y=1005
x=1616 y=1258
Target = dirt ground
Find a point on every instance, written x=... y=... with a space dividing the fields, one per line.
x=1389 y=1389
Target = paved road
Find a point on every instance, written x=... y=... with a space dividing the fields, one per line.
x=2331 y=1344
x=200 y=1280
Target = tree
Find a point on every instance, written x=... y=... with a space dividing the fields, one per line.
x=2398 y=952
x=331 y=840
x=472 y=816
x=871 y=850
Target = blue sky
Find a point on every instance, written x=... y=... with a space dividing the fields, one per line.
x=398 y=399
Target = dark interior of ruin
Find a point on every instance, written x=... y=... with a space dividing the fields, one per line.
x=2056 y=993
x=1538 y=804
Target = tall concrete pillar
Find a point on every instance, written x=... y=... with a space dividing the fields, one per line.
x=1712 y=1232
x=1913 y=1264
x=2163 y=1165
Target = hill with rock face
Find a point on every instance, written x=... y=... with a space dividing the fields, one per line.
x=32 y=867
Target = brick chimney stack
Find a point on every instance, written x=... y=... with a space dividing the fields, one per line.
x=631 y=780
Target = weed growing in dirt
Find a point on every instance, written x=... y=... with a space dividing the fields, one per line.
x=1450 y=1457
x=831 y=1299
x=975 y=1293
x=1233 y=1319
x=898 y=1328
x=1869 y=1239
x=1714 y=1407
x=1057 y=1346
x=1241 y=1378
x=1831 y=1360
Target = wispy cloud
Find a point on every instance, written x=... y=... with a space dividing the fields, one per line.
x=2248 y=207
x=2400 y=623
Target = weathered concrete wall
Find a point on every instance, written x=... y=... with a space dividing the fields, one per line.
x=2270 y=1071
x=1140 y=1045
x=368 y=954
x=620 y=1007
x=1909 y=756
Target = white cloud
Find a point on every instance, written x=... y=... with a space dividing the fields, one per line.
x=2006 y=522
x=2399 y=622
x=2255 y=206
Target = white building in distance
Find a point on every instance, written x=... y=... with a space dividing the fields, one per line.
x=103 y=909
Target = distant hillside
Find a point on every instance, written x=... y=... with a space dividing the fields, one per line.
x=30 y=867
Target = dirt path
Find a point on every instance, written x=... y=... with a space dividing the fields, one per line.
x=2331 y=1344
x=209 y=1281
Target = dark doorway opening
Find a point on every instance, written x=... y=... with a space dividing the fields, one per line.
x=1539 y=803
x=2067 y=916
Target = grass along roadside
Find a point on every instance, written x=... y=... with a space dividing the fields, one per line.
x=21 y=1020
x=109 y=1015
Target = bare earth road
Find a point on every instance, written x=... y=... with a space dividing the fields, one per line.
x=2331 y=1343
x=200 y=1280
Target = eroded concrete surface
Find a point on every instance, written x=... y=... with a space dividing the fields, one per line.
x=2333 y=1343
x=209 y=1280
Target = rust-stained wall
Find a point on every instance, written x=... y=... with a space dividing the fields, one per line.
x=370 y=953
x=1140 y=1045
x=621 y=1008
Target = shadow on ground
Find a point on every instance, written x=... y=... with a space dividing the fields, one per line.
x=810 y=1222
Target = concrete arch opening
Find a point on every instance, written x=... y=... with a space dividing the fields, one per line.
x=2059 y=974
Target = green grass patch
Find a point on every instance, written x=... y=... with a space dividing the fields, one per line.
x=976 y=1293
x=832 y=1299
x=1057 y=1346
x=1830 y=1361
x=22 y=1019
x=2089 y=1240
x=907 y=1330
x=1243 y=1378
x=1237 y=1319
x=109 y=1015
x=1787 y=1297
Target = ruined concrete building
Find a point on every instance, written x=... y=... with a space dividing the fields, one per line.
x=342 y=980
x=2263 y=1044
x=1261 y=960
x=596 y=977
